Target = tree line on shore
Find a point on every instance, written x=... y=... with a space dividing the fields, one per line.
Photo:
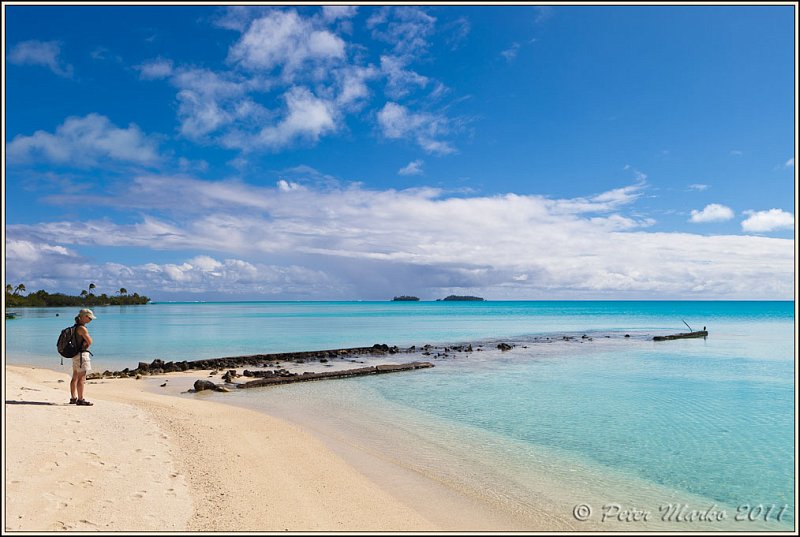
x=41 y=298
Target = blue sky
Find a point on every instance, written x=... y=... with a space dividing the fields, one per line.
x=334 y=152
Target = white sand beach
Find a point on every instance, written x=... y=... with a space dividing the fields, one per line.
x=140 y=460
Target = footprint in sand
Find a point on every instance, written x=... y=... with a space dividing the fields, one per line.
x=93 y=458
x=140 y=494
x=48 y=466
x=57 y=500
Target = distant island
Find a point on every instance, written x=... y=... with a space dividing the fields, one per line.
x=461 y=298
x=405 y=298
x=43 y=299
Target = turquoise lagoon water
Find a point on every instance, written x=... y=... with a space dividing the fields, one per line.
x=708 y=424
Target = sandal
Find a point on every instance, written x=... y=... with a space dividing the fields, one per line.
x=73 y=400
x=83 y=402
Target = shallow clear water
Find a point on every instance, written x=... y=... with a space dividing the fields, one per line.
x=707 y=422
x=189 y=331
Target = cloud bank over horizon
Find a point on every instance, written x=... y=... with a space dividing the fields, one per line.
x=346 y=241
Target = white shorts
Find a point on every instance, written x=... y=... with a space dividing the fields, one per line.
x=84 y=366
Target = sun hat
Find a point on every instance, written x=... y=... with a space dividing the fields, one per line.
x=87 y=312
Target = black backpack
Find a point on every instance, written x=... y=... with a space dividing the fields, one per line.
x=68 y=342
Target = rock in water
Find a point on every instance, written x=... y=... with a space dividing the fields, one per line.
x=200 y=385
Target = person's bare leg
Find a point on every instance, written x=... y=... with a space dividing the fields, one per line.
x=73 y=384
x=81 y=381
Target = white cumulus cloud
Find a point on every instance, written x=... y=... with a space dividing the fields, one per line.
x=400 y=81
x=209 y=101
x=412 y=168
x=406 y=28
x=155 y=69
x=307 y=117
x=85 y=141
x=332 y=13
x=765 y=221
x=352 y=84
x=44 y=53
x=713 y=212
x=397 y=121
x=286 y=40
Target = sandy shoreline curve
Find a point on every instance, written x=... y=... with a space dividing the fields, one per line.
x=142 y=461
x=150 y=457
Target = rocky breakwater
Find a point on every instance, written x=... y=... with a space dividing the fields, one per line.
x=282 y=376
x=159 y=366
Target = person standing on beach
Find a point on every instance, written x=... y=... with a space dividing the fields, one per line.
x=81 y=362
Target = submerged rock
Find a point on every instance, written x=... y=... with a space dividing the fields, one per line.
x=200 y=385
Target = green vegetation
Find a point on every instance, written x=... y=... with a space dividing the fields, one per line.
x=462 y=298
x=41 y=298
x=405 y=298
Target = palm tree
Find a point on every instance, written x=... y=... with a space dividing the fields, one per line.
x=91 y=287
x=20 y=289
x=84 y=293
x=9 y=288
x=123 y=291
